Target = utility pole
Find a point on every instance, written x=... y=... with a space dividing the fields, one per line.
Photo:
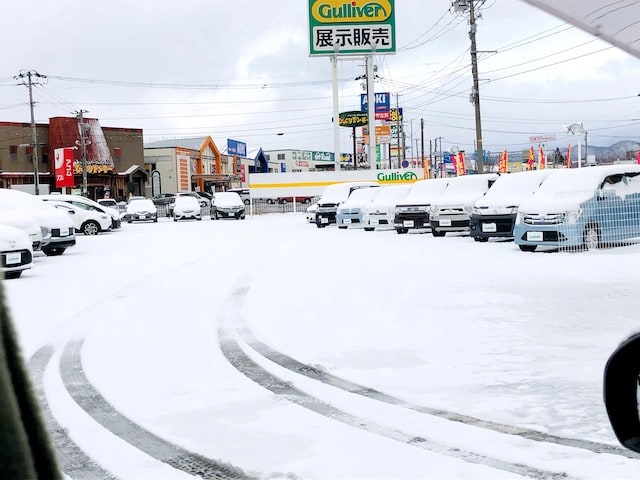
x=463 y=6
x=82 y=127
x=422 y=142
x=34 y=135
x=398 y=129
x=431 y=163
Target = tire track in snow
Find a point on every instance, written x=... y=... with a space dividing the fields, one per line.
x=73 y=460
x=90 y=400
x=309 y=371
x=232 y=350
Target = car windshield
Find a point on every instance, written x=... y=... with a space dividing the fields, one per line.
x=141 y=204
x=227 y=199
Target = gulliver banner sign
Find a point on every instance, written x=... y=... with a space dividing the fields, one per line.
x=356 y=27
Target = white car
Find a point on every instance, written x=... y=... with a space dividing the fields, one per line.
x=380 y=212
x=15 y=250
x=87 y=222
x=227 y=205
x=86 y=203
x=185 y=207
x=311 y=213
x=58 y=232
x=25 y=223
x=141 y=209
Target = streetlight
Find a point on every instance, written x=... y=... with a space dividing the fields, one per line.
x=577 y=129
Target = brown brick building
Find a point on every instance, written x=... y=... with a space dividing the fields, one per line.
x=115 y=156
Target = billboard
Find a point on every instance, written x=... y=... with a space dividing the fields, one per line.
x=235 y=147
x=356 y=27
x=64 y=167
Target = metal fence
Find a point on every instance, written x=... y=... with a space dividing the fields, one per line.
x=257 y=207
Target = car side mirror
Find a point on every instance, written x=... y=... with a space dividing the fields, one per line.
x=621 y=392
x=607 y=193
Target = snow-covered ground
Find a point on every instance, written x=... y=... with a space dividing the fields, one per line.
x=270 y=347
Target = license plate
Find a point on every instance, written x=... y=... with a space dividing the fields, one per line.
x=489 y=227
x=373 y=221
x=324 y=220
x=143 y=216
x=407 y=223
x=534 y=236
x=13 y=258
x=230 y=214
x=346 y=220
x=445 y=222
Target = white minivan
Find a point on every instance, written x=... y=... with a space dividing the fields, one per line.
x=452 y=211
x=333 y=196
x=412 y=212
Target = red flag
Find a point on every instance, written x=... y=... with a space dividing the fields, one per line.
x=503 y=163
x=461 y=167
x=64 y=167
x=541 y=159
x=531 y=159
x=569 y=156
x=638 y=159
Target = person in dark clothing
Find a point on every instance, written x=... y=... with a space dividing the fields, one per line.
x=26 y=451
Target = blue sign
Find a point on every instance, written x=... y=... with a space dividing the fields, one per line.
x=283 y=167
x=405 y=164
x=382 y=102
x=234 y=147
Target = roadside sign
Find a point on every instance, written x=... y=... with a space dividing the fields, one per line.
x=542 y=139
x=353 y=119
x=356 y=27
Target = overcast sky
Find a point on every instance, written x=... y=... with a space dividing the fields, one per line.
x=242 y=70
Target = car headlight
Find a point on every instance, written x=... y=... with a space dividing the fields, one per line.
x=433 y=209
x=476 y=211
x=572 y=216
x=468 y=209
x=519 y=217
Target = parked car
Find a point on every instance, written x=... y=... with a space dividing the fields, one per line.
x=85 y=203
x=108 y=202
x=163 y=198
x=494 y=214
x=381 y=211
x=305 y=199
x=585 y=208
x=451 y=212
x=204 y=202
x=244 y=194
x=311 y=213
x=25 y=223
x=87 y=222
x=333 y=196
x=227 y=205
x=15 y=251
x=350 y=213
x=185 y=207
x=413 y=211
x=141 y=210
x=57 y=229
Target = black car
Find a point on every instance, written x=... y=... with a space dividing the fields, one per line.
x=163 y=198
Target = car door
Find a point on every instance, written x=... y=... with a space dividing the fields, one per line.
x=610 y=212
x=632 y=204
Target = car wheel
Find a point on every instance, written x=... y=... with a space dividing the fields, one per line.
x=246 y=201
x=175 y=219
x=90 y=228
x=591 y=237
x=342 y=227
x=436 y=233
x=402 y=230
x=527 y=248
x=320 y=225
x=11 y=275
x=53 y=251
x=270 y=201
x=369 y=229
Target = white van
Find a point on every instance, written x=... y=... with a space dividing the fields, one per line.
x=585 y=208
x=452 y=211
x=350 y=213
x=25 y=223
x=58 y=232
x=413 y=211
x=494 y=214
x=380 y=212
x=86 y=203
x=333 y=196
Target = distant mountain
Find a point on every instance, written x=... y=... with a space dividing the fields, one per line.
x=623 y=150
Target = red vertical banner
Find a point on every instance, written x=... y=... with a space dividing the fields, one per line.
x=64 y=167
x=243 y=174
x=541 y=159
x=569 y=156
x=502 y=164
x=638 y=159
x=531 y=159
x=459 y=161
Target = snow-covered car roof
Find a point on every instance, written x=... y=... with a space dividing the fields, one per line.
x=510 y=189
x=425 y=191
x=141 y=204
x=227 y=199
x=361 y=197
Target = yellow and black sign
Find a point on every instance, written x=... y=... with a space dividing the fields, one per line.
x=353 y=119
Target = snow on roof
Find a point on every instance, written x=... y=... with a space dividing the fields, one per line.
x=510 y=189
x=190 y=143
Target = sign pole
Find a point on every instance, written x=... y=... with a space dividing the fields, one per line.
x=371 y=110
x=336 y=113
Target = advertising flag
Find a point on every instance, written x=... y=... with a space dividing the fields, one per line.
x=64 y=167
x=569 y=156
x=504 y=162
x=459 y=162
x=638 y=159
x=531 y=159
x=541 y=159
